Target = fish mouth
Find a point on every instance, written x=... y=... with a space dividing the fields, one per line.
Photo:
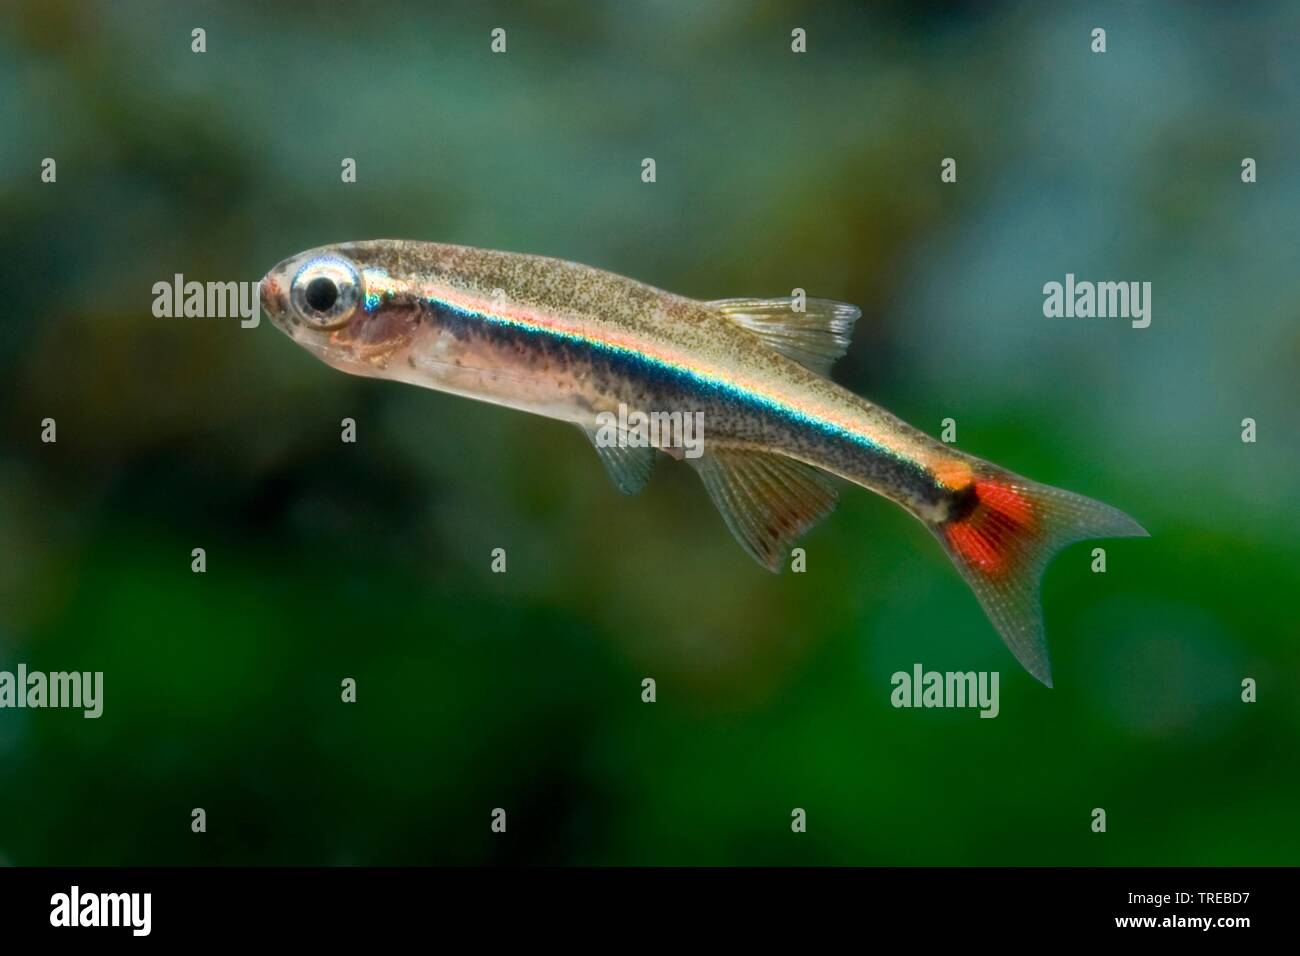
x=273 y=290
x=275 y=302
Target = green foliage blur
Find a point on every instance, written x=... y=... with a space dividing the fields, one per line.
x=775 y=170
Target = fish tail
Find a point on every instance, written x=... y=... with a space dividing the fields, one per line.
x=1001 y=531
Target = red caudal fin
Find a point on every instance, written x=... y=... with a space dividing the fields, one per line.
x=1002 y=532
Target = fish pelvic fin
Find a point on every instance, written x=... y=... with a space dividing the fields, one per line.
x=1002 y=532
x=813 y=332
x=628 y=466
x=767 y=500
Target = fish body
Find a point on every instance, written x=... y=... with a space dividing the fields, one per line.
x=599 y=350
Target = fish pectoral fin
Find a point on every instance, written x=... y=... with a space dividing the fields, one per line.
x=767 y=500
x=628 y=465
x=814 y=338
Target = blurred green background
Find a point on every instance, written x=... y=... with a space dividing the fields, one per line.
x=522 y=691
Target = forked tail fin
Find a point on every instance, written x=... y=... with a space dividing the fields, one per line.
x=1001 y=534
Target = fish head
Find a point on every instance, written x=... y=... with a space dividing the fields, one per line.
x=340 y=305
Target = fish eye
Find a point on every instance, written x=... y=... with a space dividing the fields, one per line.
x=321 y=294
x=325 y=292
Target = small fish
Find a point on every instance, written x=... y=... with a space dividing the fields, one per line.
x=578 y=344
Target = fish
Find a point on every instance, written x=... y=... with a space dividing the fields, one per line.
x=607 y=353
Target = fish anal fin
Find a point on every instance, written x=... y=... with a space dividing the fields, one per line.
x=628 y=465
x=767 y=500
x=814 y=337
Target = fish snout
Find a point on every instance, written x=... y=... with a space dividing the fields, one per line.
x=275 y=299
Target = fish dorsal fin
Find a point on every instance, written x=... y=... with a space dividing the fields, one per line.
x=628 y=465
x=814 y=338
x=767 y=500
